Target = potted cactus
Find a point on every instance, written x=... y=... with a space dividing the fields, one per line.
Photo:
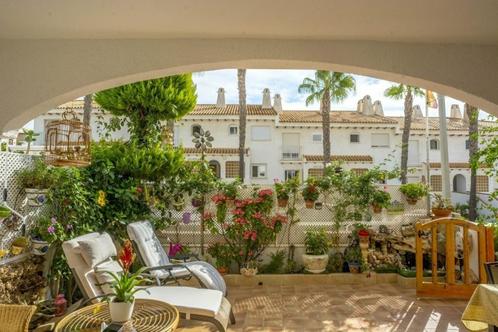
x=317 y=245
x=441 y=207
x=413 y=192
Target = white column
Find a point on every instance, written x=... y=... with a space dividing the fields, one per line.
x=443 y=139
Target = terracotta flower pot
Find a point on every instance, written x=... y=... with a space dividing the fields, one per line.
x=309 y=204
x=441 y=213
x=282 y=202
x=376 y=208
x=222 y=270
x=411 y=201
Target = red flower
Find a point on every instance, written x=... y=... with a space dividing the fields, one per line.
x=219 y=198
x=207 y=215
x=265 y=192
x=250 y=235
x=240 y=203
x=240 y=221
x=238 y=212
x=363 y=232
x=126 y=256
x=257 y=215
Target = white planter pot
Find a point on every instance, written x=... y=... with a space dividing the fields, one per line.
x=121 y=311
x=39 y=247
x=315 y=263
x=249 y=272
x=35 y=196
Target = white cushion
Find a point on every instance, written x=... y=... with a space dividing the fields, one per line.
x=208 y=275
x=104 y=278
x=98 y=249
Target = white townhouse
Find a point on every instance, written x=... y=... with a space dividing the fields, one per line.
x=282 y=144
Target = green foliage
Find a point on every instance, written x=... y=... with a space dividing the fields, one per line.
x=338 y=84
x=381 y=198
x=5 y=212
x=39 y=176
x=276 y=264
x=336 y=261
x=353 y=255
x=441 y=202
x=145 y=104
x=125 y=285
x=316 y=242
x=287 y=188
x=222 y=253
x=310 y=191
x=399 y=91
x=414 y=190
x=229 y=189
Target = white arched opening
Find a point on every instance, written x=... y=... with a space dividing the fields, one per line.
x=459 y=184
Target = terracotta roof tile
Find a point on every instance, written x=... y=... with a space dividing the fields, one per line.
x=335 y=117
x=453 y=124
x=345 y=158
x=212 y=151
x=76 y=104
x=231 y=109
x=456 y=165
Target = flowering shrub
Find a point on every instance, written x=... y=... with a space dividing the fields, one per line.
x=310 y=191
x=251 y=226
x=281 y=190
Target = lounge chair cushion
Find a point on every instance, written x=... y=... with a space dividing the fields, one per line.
x=104 y=278
x=196 y=301
x=208 y=275
x=98 y=249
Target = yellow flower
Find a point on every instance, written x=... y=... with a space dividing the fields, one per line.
x=101 y=198
x=97 y=309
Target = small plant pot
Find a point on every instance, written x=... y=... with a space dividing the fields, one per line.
x=39 y=247
x=249 y=271
x=411 y=201
x=318 y=205
x=121 y=312
x=36 y=197
x=309 y=204
x=315 y=263
x=282 y=202
x=376 y=208
x=222 y=270
x=197 y=202
x=354 y=267
x=441 y=213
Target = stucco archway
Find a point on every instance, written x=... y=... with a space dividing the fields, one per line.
x=459 y=184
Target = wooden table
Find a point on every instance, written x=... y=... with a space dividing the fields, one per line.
x=148 y=316
x=482 y=309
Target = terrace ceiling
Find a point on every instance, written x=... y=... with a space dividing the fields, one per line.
x=55 y=50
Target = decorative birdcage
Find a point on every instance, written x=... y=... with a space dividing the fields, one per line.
x=67 y=141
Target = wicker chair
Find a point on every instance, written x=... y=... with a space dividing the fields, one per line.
x=15 y=318
x=492 y=272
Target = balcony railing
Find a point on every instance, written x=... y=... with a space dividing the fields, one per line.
x=290 y=152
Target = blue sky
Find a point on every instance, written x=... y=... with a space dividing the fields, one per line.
x=286 y=82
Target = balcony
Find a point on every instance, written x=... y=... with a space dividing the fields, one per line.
x=291 y=153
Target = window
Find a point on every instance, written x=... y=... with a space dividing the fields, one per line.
x=436 y=183
x=354 y=138
x=261 y=133
x=196 y=129
x=233 y=130
x=291 y=173
x=317 y=138
x=315 y=172
x=232 y=169
x=434 y=143
x=380 y=140
x=467 y=144
x=482 y=184
x=290 y=146
x=258 y=171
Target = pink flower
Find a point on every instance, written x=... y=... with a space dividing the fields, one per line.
x=257 y=215
x=174 y=249
x=238 y=212
x=219 y=198
x=240 y=220
x=265 y=192
x=207 y=215
x=250 y=235
x=51 y=229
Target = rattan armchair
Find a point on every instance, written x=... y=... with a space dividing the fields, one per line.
x=15 y=318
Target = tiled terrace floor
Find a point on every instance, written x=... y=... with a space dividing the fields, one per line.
x=381 y=307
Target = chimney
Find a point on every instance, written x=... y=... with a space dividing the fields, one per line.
x=417 y=112
x=455 y=111
x=220 y=101
x=377 y=108
x=266 y=104
x=277 y=103
x=359 y=106
x=367 y=105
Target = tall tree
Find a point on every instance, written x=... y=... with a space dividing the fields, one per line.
x=143 y=105
x=473 y=115
x=29 y=137
x=241 y=82
x=327 y=87
x=87 y=109
x=398 y=92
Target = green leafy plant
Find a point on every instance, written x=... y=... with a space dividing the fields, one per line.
x=441 y=202
x=310 y=191
x=353 y=255
x=336 y=262
x=381 y=198
x=5 y=212
x=39 y=176
x=29 y=137
x=281 y=190
x=222 y=253
x=276 y=263
x=414 y=190
x=316 y=242
x=229 y=189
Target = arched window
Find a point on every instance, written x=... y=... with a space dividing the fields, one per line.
x=434 y=143
x=215 y=167
x=196 y=129
x=459 y=183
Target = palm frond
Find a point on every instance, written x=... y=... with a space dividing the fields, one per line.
x=395 y=92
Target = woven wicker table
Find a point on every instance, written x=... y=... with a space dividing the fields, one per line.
x=148 y=316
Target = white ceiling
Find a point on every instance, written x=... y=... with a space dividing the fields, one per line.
x=441 y=21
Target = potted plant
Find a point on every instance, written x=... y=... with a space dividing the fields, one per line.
x=441 y=207
x=229 y=190
x=222 y=255
x=413 y=192
x=310 y=193
x=124 y=285
x=19 y=245
x=380 y=199
x=317 y=245
x=250 y=269
x=282 y=191
x=39 y=246
x=354 y=258
x=36 y=181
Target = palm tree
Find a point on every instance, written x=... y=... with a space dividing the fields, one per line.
x=473 y=115
x=327 y=86
x=29 y=137
x=398 y=92
x=241 y=82
x=87 y=109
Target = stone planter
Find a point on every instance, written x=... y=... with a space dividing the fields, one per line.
x=282 y=203
x=121 y=311
x=39 y=247
x=315 y=263
x=309 y=204
x=441 y=213
x=36 y=197
x=411 y=201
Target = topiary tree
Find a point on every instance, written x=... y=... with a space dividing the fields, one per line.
x=143 y=105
